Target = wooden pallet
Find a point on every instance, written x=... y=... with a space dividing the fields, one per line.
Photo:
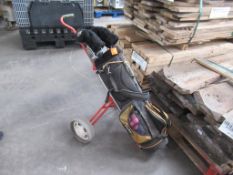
x=196 y=154
x=189 y=144
x=193 y=119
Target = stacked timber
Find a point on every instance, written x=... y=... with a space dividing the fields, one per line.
x=198 y=99
x=136 y=7
x=148 y=56
x=180 y=22
x=131 y=8
x=200 y=103
x=128 y=9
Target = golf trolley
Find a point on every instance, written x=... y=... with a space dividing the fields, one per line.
x=145 y=123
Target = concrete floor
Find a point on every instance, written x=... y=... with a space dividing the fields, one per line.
x=41 y=91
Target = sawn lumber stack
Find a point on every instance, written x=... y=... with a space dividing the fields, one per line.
x=131 y=7
x=200 y=102
x=146 y=56
x=173 y=23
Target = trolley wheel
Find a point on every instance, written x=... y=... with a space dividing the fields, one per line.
x=83 y=130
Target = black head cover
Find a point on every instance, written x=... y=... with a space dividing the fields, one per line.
x=108 y=37
x=91 y=39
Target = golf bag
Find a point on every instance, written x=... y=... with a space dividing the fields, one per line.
x=146 y=124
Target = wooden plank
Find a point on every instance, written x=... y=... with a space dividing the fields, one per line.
x=187 y=102
x=197 y=160
x=190 y=77
x=200 y=152
x=127 y=55
x=215 y=100
x=122 y=31
x=187 y=78
x=157 y=56
x=124 y=44
x=188 y=7
x=134 y=37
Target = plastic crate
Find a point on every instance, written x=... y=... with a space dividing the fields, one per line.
x=32 y=34
x=22 y=17
x=58 y=37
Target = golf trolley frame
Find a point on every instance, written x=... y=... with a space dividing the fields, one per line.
x=109 y=103
x=128 y=97
x=82 y=129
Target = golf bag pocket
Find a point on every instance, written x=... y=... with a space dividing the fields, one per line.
x=145 y=123
x=132 y=120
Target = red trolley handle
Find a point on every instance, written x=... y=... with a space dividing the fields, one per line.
x=72 y=29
